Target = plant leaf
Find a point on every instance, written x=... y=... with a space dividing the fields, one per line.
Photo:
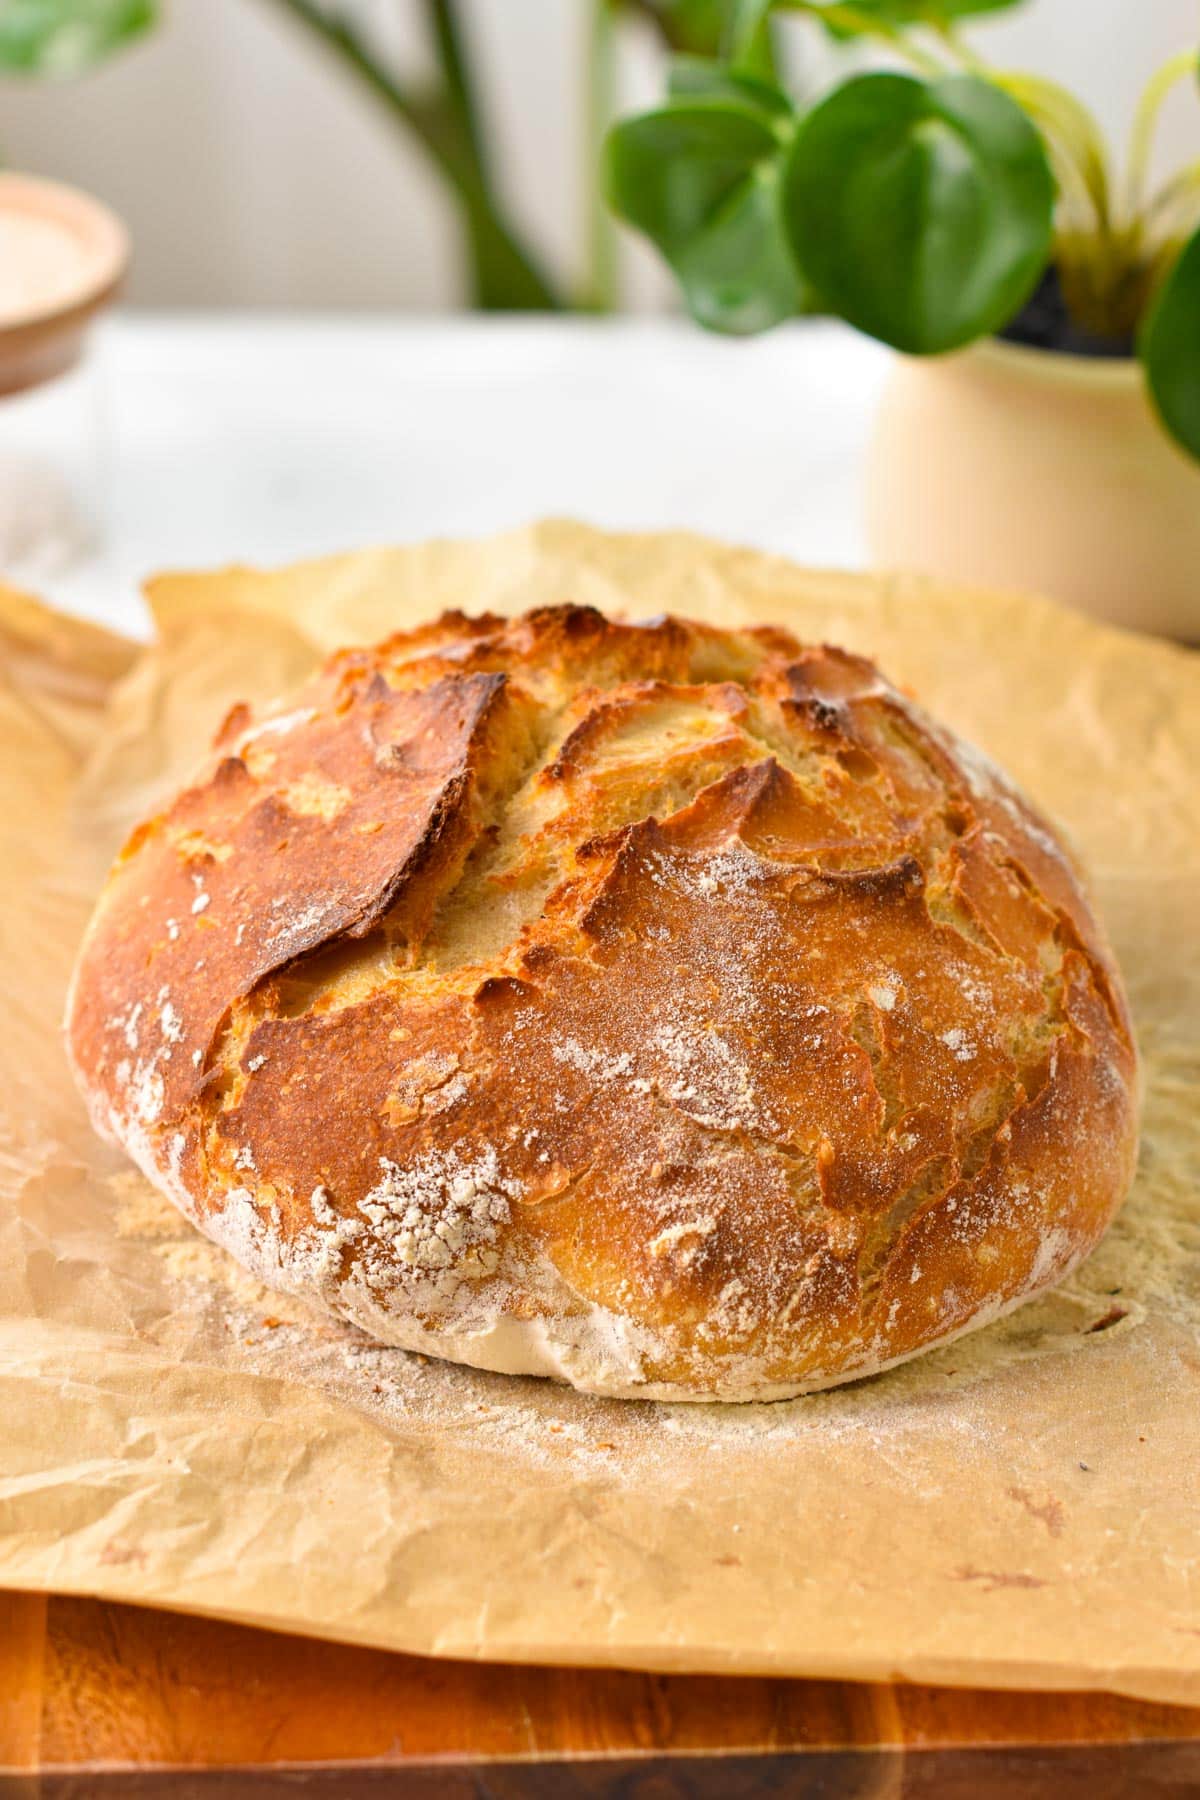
x=700 y=178
x=736 y=275
x=692 y=27
x=1169 y=347
x=746 y=33
x=698 y=77
x=920 y=211
x=916 y=12
x=64 y=37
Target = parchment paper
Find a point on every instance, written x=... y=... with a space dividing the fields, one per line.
x=1018 y=1509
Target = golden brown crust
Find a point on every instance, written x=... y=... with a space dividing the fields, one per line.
x=674 y=1010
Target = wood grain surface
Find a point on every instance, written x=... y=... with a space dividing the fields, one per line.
x=105 y=1700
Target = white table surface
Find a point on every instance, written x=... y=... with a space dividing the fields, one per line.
x=263 y=438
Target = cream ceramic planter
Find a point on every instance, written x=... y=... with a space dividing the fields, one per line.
x=1023 y=468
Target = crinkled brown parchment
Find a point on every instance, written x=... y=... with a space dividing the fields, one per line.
x=1021 y=1508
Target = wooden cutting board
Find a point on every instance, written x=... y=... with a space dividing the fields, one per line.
x=104 y=1700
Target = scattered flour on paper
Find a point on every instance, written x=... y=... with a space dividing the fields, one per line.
x=212 y=1305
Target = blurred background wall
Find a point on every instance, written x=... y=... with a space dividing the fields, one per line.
x=254 y=172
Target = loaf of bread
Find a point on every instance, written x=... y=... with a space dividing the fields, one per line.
x=677 y=1012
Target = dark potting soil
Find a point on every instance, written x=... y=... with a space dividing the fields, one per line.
x=1044 y=323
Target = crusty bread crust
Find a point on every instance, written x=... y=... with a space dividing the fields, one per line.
x=676 y=1012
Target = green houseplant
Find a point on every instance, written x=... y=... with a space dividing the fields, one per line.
x=946 y=205
x=440 y=112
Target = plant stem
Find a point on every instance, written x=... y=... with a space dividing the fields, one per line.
x=504 y=274
x=678 y=31
x=1173 y=211
x=1141 y=138
x=1096 y=262
x=961 y=50
x=443 y=29
x=846 y=17
x=1072 y=128
x=600 y=276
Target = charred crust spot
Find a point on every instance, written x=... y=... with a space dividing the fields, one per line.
x=1107 y=1320
x=454 y=620
x=902 y=879
x=747 y=783
x=576 y=621
x=606 y=844
x=825 y=714
x=502 y=990
x=231 y=771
